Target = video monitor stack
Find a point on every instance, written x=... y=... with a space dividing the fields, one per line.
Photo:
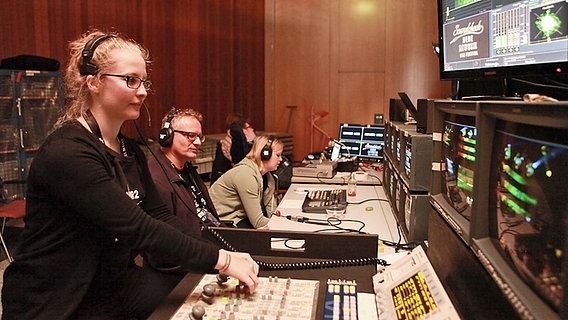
x=520 y=217
x=453 y=164
x=406 y=176
x=498 y=189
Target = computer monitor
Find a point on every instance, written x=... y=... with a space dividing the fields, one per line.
x=502 y=38
x=365 y=141
x=520 y=227
x=453 y=162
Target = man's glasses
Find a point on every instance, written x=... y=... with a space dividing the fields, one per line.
x=131 y=81
x=191 y=136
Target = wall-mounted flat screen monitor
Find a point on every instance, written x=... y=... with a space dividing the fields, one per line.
x=503 y=38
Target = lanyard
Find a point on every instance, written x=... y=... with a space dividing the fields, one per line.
x=203 y=211
x=94 y=126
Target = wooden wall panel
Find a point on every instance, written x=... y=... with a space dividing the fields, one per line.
x=193 y=46
x=317 y=55
x=361 y=35
x=347 y=58
x=412 y=65
x=249 y=55
x=216 y=78
x=359 y=98
x=301 y=68
x=183 y=64
x=361 y=64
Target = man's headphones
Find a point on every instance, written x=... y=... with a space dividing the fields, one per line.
x=86 y=66
x=266 y=151
x=166 y=135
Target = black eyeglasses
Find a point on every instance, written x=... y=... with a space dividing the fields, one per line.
x=131 y=81
x=191 y=136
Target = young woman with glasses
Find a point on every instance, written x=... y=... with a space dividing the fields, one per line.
x=91 y=203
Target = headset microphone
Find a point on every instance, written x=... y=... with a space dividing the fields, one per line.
x=166 y=134
x=266 y=151
x=148 y=113
x=87 y=67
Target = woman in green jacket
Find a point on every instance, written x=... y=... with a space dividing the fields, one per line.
x=245 y=194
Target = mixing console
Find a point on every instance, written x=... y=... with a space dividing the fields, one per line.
x=317 y=201
x=219 y=298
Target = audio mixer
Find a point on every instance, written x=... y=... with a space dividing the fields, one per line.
x=217 y=297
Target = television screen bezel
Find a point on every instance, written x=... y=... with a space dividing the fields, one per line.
x=544 y=114
x=458 y=222
x=387 y=151
x=417 y=177
x=502 y=72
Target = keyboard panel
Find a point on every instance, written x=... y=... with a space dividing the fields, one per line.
x=317 y=201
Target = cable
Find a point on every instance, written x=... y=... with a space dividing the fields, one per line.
x=322 y=264
x=378 y=179
x=558 y=83
x=331 y=221
x=367 y=200
x=224 y=243
x=559 y=87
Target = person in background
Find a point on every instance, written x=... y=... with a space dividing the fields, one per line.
x=91 y=203
x=245 y=193
x=234 y=147
x=177 y=180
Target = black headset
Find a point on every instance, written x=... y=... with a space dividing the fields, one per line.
x=86 y=66
x=166 y=135
x=266 y=151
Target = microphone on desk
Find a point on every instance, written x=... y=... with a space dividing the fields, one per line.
x=306 y=220
x=341 y=144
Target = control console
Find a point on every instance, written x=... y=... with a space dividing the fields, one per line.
x=410 y=289
x=220 y=297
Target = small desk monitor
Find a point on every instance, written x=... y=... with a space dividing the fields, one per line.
x=365 y=141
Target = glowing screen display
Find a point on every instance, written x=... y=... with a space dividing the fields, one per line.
x=458 y=149
x=528 y=207
x=412 y=298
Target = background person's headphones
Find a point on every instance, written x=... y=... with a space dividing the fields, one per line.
x=166 y=135
x=86 y=66
x=266 y=151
